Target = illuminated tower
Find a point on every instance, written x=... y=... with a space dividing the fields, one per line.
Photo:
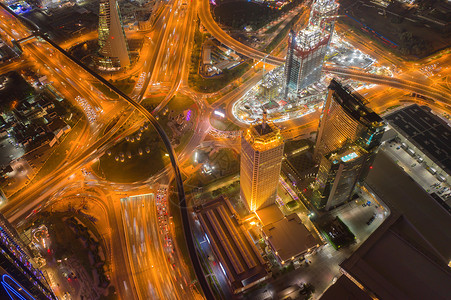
x=338 y=174
x=346 y=120
x=113 y=49
x=20 y=278
x=261 y=160
x=349 y=136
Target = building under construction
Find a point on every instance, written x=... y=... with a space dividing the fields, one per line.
x=305 y=57
x=307 y=48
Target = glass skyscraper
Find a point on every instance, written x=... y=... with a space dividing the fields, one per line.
x=113 y=48
x=20 y=277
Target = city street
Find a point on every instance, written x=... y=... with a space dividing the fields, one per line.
x=135 y=224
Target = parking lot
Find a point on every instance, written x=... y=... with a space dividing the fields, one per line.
x=417 y=171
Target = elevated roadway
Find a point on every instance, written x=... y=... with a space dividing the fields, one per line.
x=100 y=143
x=212 y=27
x=423 y=89
x=440 y=95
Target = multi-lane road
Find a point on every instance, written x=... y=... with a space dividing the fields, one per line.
x=164 y=59
x=437 y=94
x=207 y=20
x=33 y=195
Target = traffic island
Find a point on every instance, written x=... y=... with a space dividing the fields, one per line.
x=133 y=160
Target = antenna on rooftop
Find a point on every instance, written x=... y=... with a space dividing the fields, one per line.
x=265 y=119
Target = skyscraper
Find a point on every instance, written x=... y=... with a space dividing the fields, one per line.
x=307 y=49
x=113 y=49
x=261 y=160
x=338 y=174
x=346 y=120
x=305 y=57
x=348 y=138
x=20 y=277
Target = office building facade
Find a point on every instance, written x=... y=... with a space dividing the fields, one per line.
x=348 y=138
x=338 y=175
x=346 y=120
x=261 y=159
x=113 y=48
x=20 y=277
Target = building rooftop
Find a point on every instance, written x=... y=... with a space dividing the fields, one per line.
x=289 y=237
x=311 y=38
x=426 y=131
x=56 y=124
x=263 y=136
x=263 y=129
x=392 y=265
x=401 y=193
x=346 y=154
x=240 y=258
x=344 y=288
x=269 y=214
x=354 y=105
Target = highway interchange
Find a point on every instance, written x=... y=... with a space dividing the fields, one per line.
x=164 y=59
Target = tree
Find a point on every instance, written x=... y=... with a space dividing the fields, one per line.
x=309 y=288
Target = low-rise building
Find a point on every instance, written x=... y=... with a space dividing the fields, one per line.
x=238 y=256
x=287 y=236
x=425 y=136
x=393 y=263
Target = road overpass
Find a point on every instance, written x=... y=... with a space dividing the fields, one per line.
x=173 y=158
x=212 y=27
x=174 y=162
x=438 y=95
x=411 y=86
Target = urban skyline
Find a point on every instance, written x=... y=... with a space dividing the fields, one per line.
x=225 y=150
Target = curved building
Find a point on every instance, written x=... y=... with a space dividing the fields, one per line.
x=113 y=48
x=349 y=135
x=20 y=277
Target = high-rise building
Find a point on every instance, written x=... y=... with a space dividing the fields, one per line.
x=113 y=48
x=307 y=49
x=348 y=138
x=346 y=120
x=305 y=57
x=338 y=174
x=261 y=160
x=20 y=277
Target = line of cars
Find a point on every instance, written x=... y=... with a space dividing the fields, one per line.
x=163 y=217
